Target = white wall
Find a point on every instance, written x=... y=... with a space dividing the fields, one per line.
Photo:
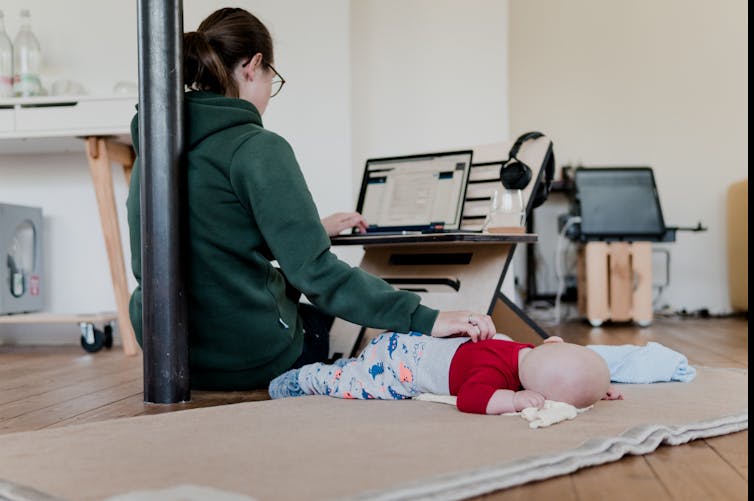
x=427 y=75
x=95 y=43
x=646 y=82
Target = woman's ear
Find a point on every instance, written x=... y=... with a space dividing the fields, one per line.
x=250 y=70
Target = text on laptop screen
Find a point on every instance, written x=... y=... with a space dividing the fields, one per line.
x=417 y=192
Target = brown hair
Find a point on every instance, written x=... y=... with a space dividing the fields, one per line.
x=224 y=38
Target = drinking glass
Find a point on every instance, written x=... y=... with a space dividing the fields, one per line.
x=506 y=212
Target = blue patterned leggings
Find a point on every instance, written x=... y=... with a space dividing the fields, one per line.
x=386 y=369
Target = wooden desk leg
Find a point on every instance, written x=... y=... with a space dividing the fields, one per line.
x=99 y=155
x=122 y=154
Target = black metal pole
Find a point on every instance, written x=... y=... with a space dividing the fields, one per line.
x=161 y=157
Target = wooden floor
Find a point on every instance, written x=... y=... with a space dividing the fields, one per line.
x=46 y=387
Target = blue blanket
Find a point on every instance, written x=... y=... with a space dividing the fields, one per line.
x=645 y=364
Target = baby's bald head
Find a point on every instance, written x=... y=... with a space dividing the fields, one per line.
x=565 y=372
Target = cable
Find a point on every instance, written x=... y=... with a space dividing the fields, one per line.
x=656 y=299
x=558 y=275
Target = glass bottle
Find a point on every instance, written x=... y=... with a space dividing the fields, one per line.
x=6 y=61
x=26 y=60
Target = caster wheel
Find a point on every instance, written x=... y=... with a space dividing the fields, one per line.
x=595 y=323
x=92 y=340
x=108 y=333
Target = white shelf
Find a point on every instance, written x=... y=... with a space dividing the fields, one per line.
x=51 y=124
x=53 y=100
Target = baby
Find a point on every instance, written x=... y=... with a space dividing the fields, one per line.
x=492 y=376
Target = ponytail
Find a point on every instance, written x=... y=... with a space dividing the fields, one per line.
x=202 y=67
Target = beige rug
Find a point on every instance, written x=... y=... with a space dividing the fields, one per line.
x=313 y=448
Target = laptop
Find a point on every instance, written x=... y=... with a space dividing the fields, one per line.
x=414 y=194
x=618 y=203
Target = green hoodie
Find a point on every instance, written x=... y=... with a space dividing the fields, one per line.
x=248 y=204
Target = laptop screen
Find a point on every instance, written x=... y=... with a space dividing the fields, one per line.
x=618 y=202
x=415 y=193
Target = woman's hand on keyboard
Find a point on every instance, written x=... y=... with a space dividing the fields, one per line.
x=340 y=221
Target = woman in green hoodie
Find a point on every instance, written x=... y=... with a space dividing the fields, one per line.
x=248 y=205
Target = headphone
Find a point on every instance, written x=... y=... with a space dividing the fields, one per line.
x=516 y=175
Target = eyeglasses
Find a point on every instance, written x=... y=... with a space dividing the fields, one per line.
x=277 y=80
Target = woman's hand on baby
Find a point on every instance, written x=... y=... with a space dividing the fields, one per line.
x=340 y=221
x=464 y=323
x=527 y=398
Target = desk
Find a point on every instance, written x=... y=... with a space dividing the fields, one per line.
x=57 y=124
x=456 y=271
x=449 y=271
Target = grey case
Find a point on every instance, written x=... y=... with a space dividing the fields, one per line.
x=22 y=282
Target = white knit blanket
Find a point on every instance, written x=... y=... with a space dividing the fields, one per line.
x=551 y=413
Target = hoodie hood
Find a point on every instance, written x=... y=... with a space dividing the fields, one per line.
x=217 y=113
x=208 y=113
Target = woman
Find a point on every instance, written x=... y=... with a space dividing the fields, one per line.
x=248 y=205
